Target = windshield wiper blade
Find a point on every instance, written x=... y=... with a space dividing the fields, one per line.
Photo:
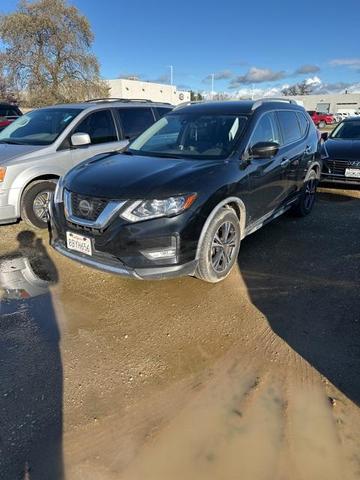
x=11 y=142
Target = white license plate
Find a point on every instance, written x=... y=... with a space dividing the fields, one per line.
x=352 y=172
x=78 y=243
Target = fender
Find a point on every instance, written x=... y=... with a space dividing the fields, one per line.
x=27 y=176
x=220 y=205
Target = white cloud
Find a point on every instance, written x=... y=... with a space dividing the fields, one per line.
x=345 y=62
x=257 y=75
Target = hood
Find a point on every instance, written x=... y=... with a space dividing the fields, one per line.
x=11 y=153
x=133 y=177
x=338 y=149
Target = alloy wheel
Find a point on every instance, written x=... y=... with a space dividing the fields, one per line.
x=41 y=205
x=223 y=247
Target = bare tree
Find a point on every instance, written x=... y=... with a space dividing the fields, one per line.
x=302 y=88
x=46 y=53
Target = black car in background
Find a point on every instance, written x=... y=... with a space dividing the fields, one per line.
x=341 y=153
x=8 y=113
x=188 y=190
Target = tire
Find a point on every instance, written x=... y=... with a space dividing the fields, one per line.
x=34 y=195
x=307 y=196
x=215 y=261
x=322 y=124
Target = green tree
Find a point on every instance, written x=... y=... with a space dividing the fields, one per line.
x=46 y=53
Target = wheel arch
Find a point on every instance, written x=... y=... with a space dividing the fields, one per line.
x=317 y=168
x=230 y=202
x=33 y=180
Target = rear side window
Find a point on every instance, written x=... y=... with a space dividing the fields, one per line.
x=100 y=126
x=135 y=120
x=290 y=126
x=162 y=111
x=303 y=122
x=266 y=130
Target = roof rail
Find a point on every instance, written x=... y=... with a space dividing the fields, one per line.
x=124 y=100
x=261 y=101
x=186 y=104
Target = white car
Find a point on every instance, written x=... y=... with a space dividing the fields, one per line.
x=41 y=146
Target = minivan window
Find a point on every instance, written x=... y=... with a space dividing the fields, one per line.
x=189 y=135
x=266 y=130
x=135 y=120
x=99 y=126
x=290 y=126
x=39 y=127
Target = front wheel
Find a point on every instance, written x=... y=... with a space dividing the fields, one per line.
x=322 y=124
x=220 y=246
x=35 y=202
x=307 y=196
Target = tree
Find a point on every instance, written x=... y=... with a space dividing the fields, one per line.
x=195 y=96
x=46 y=53
x=302 y=88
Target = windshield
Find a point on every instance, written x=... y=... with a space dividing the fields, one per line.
x=347 y=131
x=187 y=135
x=39 y=127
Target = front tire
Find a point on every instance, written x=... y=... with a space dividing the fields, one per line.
x=307 y=196
x=35 y=201
x=219 y=247
x=322 y=124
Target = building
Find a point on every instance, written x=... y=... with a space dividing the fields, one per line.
x=137 y=89
x=331 y=103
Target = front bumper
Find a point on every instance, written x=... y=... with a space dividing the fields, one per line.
x=336 y=178
x=116 y=267
x=121 y=248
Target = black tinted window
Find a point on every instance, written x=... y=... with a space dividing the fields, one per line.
x=100 y=126
x=290 y=126
x=8 y=112
x=266 y=130
x=135 y=120
x=161 y=111
x=303 y=121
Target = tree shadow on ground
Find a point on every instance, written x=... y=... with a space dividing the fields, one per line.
x=304 y=275
x=31 y=380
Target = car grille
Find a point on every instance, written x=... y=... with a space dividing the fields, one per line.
x=85 y=207
x=338 y=167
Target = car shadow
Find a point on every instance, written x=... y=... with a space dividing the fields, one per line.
x=304 y=276
x=31 y=378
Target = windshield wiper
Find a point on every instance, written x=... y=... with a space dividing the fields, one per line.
x=11 y=142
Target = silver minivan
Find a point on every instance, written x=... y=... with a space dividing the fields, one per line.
x=44 y=144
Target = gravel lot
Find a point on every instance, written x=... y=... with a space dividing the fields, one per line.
x=254 y=378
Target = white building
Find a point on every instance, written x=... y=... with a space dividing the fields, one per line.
x=137 y=89
x=348 y=103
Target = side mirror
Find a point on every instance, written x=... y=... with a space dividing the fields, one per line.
x=80 y=139
x=324 y=136
x=264 y=149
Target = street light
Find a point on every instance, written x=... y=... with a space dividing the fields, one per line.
x=171 y=74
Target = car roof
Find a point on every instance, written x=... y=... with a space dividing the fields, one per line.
x=351 y=119
x=246 y=107
x=118 y=103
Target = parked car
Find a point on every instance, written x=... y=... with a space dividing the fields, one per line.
x=188 y=190
x=321 y=119
x=8 y=113
x=44 y=144
x=341 y=153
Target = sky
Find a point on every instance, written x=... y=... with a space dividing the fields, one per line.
x=255 y=46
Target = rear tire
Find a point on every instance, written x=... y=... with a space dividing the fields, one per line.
x=307 y=196
x=219 y=247
x=34 y=203
x=322 y=124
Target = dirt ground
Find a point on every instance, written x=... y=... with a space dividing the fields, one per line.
x=256 y=378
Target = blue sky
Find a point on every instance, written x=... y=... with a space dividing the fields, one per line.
x=248 y=45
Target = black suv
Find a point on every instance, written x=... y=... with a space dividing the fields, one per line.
x=188 y=190
x=341 y=153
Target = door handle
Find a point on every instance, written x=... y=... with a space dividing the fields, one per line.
x=285 y=162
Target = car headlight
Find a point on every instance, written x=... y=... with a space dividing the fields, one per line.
x=59 y=191
x=168 y=207
x=2 y=174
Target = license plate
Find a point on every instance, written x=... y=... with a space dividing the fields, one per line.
x=352 y=172
x=78 y=243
